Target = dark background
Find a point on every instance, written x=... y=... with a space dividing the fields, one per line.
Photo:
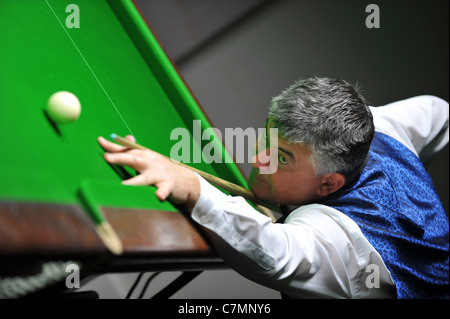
x=235 y=55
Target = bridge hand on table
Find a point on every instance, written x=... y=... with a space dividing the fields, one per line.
x=172 y=181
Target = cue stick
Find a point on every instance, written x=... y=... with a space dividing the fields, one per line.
x=234 y=189
x=103 y=228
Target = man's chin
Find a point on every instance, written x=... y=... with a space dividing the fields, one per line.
x=260 y=188
x=261 y=191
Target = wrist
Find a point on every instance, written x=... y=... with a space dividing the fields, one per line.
x=193 y=192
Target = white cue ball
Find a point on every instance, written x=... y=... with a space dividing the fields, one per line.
x=63 y=107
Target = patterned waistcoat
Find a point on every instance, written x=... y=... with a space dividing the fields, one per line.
x=398 y=210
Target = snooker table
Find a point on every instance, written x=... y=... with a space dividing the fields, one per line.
x=126 y=85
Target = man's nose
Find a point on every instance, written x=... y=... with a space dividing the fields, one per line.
x=261 y=158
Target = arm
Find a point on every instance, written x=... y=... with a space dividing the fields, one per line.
x=318 y=252
x=311 y=255
x=420 y=123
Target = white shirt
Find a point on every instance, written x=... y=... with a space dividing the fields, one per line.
x=318 y=252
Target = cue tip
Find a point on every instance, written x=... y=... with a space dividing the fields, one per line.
x=109 y=237
x=113 y=136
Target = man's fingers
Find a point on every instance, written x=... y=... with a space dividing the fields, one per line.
x=147 y=162
x=110 y=146
x=138 y=180
x=163 y=191
x=130 y=158
x=130 y=138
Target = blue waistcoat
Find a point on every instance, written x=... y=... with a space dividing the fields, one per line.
x=399 y=212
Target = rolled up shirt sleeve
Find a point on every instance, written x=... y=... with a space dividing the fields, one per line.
x=420 y=123
x=236 y=223
x=315 y=253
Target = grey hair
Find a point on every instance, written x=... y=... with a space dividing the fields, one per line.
x=330 y=117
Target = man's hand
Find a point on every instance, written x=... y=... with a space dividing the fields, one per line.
x=172 y=181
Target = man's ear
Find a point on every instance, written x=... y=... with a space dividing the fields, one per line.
x=330 y=183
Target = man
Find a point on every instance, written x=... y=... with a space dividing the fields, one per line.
x=365 y=221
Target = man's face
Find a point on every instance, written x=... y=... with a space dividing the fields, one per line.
x=294 y=181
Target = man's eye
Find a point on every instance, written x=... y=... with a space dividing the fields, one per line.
x=283 y=159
